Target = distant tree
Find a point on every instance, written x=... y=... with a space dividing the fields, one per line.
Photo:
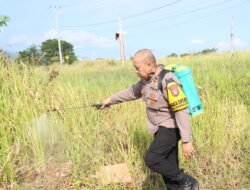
x=31 y=55
x=184 y=54
x=51 y=51
x=4 y=20
x=207 y=50
x=173 y=55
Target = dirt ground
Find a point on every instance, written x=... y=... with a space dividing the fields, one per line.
x=52 y=176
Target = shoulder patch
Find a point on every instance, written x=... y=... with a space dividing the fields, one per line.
x=176 y=97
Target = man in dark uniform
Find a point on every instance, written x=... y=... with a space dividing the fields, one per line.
x=167 y=119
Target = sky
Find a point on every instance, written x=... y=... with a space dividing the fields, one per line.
x=164 y=26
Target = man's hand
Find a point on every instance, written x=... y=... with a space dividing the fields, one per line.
x=188 y=149
x=106 y=102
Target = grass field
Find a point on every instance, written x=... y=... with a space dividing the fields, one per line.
x=63 y=150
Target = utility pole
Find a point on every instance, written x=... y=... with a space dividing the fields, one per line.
x=121 y=41
x=231 y=36
x=56 y=11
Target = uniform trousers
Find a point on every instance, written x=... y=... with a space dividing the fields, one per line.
x=162 y=155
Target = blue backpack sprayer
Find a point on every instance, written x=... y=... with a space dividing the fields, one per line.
x=184 y=74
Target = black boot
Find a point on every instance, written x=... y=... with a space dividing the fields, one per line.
x=187 y=182
x=171 y=185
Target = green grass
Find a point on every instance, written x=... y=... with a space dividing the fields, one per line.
x=34 y=142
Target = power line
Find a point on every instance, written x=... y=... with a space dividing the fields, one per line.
x=77 y=5
x=180 y=14
x=197 y=19
x=151 y=10
x=125 y=18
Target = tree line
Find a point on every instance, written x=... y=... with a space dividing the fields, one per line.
x=203 y=52
x=45 y=54
x=48 y=53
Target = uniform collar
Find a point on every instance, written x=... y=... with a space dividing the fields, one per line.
x=155 y=76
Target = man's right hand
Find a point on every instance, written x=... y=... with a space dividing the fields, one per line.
x=106 y=102
x=188 y=149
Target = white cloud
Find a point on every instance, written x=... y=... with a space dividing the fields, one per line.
x=222 y=46
x=196 y=41
x=22 y=39
x=81 y=39
x=238 y=44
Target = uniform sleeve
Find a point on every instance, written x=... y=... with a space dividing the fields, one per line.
x=131 y=93
x=182 y=116
x=184 y=124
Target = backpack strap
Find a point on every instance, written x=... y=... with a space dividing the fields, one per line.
x=161 y=76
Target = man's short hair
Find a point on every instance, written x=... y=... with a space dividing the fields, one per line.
x=147 y=56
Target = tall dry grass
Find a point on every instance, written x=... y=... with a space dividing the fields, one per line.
x=32 y=139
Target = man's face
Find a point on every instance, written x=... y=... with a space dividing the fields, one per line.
x=141 y=68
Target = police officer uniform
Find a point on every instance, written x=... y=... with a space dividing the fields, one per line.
x=167 y=121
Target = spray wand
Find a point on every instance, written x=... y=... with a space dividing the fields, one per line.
x=97 y=106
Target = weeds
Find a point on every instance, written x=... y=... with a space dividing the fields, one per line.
x=87 y=138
